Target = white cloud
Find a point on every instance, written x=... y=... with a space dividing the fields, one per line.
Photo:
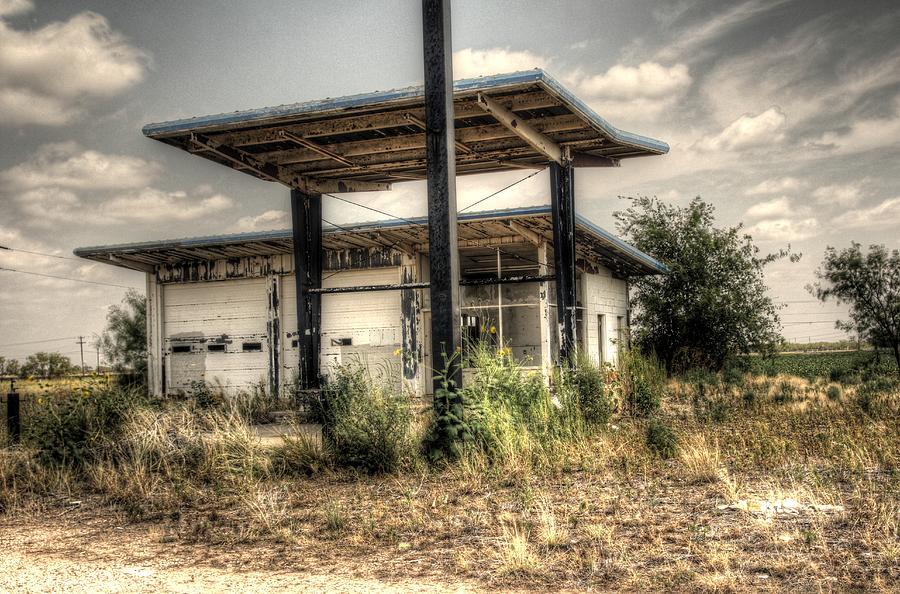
x=862 y=135
x=47 y=207
x=633 y=94
x=840 y=195
x=784 y=229
x=266 y=221
x=627 y=92
x=775 y=208
x=152 y=205
x=748 y=131
x=776 y=185
x=14 y=7
x=885 y=214
x=649 y=80
x=469 y=62
x=48 y=75
x=67 y=165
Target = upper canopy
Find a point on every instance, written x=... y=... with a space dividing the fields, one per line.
x=365 y=142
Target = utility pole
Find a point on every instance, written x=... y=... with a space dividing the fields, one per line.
x=80 y=344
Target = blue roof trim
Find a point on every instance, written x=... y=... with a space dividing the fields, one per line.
x=484 y=83
x=622 y=245
x=281 y=234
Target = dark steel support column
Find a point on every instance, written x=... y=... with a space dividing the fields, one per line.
x=562 y=200
x=306 y=213
x=443 y=251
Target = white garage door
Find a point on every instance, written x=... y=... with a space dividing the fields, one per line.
x=216 y=332
x=362 y=325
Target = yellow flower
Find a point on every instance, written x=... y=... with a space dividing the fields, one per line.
x=397 y=352
x=40 y=401
x=493 y=329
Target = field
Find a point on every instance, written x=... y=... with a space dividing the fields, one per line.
x=734 y=484
x=829 y=365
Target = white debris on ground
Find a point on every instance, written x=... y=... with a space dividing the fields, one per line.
x=779 y=506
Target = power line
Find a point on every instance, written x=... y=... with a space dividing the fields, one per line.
x=405 y=220
x=12 y=344
x=501 y=190
x=11 y=249
x=76 y=280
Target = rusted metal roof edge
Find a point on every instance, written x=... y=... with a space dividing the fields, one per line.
x=118 y=254
x=378 y=99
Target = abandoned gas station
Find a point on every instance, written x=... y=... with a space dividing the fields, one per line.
x=281 y=307
x=222 y=309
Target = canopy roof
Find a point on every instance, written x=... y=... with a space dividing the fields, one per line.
x=366 y=142
x=527 y=224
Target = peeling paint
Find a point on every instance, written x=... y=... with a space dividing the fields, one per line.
x=192 y=271
x=409 y=316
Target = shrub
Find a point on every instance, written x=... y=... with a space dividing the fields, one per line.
x=711 y=397
x=514 y=419
x=366 y=425
x=298 y=455
x=661 y=439
x=785 y=392
x=589 y=383
x=869 y=393
x=643 y=382
x=833 y=392
x=72 y=427
x=212 y=448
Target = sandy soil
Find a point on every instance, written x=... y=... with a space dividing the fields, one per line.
x=79 y=553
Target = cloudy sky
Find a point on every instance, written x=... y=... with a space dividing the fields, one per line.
x=785 y=115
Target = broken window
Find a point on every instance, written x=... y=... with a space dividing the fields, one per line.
x=181 y=348
x=215 y=348
x=252 y=347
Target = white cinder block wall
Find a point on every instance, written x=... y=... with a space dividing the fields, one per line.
x=603 y=295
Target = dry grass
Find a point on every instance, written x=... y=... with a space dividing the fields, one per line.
x=602 y=514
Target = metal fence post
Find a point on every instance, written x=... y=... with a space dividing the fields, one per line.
x=13 y=413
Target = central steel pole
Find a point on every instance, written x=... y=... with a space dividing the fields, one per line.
x=440 y=155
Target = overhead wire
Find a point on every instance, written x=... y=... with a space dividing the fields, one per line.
x=405 y=220
x=27 y=342
x=12 y=249
x=76 y=280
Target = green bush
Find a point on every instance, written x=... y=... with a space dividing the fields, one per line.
x=366 y=425
x=588 y=381
x=512 y=416
x=661 y=439
x=72 y=427
x=643 y=381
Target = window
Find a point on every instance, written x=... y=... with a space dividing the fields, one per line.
x=620 y=332
x=215 y=348
x=252 y=347
x=295 y=343
x=341 y=341
x=181 y=348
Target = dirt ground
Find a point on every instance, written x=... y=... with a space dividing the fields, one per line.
x=81 y=552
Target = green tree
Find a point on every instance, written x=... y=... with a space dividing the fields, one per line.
x=47 y=365
x=870 y=284
x=712 y=304
x=9 y=367
x=124 y=342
